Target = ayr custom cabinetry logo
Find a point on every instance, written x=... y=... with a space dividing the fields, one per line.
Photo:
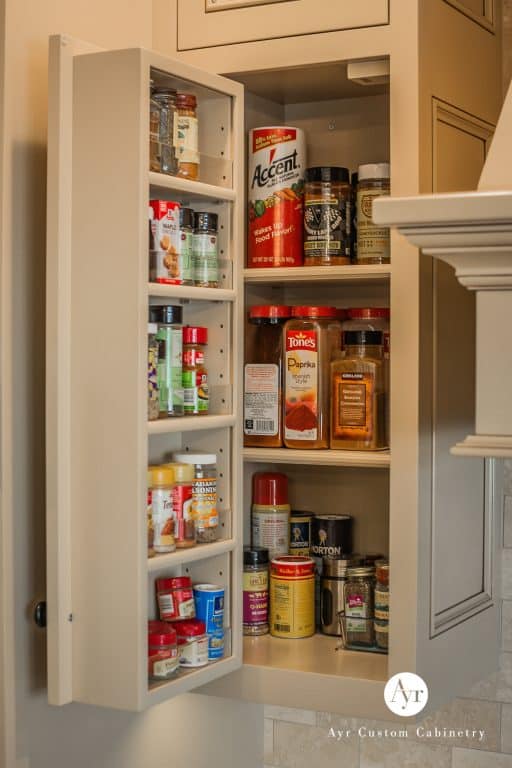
x=406 y=694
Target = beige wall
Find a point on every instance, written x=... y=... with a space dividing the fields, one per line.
x=194 y=730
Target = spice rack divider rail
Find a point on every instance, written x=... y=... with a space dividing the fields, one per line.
x=190 y=680
x=351 y=273
x=191 y=190
x=190 y=424
x=327 y=457
x=189 y=293
x=190 y=555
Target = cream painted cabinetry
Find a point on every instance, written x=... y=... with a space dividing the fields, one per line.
x=439 y=522
x=221 y=22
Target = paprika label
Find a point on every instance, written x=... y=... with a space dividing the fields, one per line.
x=301 y=385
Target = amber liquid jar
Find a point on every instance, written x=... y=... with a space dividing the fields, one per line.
x=310 y=340
x=327 y=203
x=187 y=136
x=358 y=398
x=263 y=376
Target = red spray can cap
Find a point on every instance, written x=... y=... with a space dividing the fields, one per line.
x=269 y=489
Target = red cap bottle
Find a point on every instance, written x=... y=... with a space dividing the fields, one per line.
x=269 y=489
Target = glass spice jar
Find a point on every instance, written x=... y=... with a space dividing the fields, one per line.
x=310 y=338
x=162 y=651
x=263 y=376
x=170 y=342
x=373 y=241
x=204 y=494
x=154 y=133
x=188 y=136
x=186 y=231
x=327 y=197
x=192 y=643
x=175 y=598
x=255 y=591
x=185 y=526
x=153 y=397
x=195 y=375
x=166 y=100
x=358 y=397
x=359 y=606
x=382 y=604
x=205 y=253
x=369 y=319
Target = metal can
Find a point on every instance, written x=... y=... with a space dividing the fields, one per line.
x=292 y=597
x=277 y=160
x=331 y=536
x=209 y=599
x=300 y=532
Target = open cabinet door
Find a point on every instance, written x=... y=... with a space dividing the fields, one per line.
x=101 y=583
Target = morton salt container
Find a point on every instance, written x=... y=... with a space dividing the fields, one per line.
x=331 y=536
x=292 y=597
x=277 y=160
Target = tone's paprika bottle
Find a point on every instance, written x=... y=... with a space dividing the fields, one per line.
x=311 y=337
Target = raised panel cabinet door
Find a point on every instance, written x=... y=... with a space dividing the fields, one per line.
x=206 y=23
x=481 y=11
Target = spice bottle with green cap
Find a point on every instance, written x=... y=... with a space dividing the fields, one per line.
x=205 y=253
x=170 y=350
x=373 y=240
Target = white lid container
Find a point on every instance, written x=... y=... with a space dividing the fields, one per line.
x=195 y=458
x=373 y=171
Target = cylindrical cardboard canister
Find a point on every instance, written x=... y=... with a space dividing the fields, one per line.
x=331 y=536
x=277 y=160
x=292 y=597
x=300 y=532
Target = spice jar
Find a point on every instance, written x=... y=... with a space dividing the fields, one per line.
x=358 y=400
x=327 y=195
x=205 y=255
x=332 y=592
x=369 y=319
x=185 y=527
x=270 y=512
x=162 y=481
x=255 y=591
x=170 y=346
x=373 y=241
x=175 y=598
x=162 y=651
x=186 y=231
x=153 y=399
x=195 y=376
x=354 y=179
x=166 y=100
x=359 y=606
x=192 y=643
x=154 y=135
x=188 y=136
x=149 y=514
x=382 y=604
x=204 y=494
x=310 y=338
x=263 y=376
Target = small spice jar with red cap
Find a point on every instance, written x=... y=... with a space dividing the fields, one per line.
x=270 y=512
x=311 y=337
x=192 y=643
x=263 y=376
x=175 y=598
x=195 y=375
x=162 y=651
x=369 y=319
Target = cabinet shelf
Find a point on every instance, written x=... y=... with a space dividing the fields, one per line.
x=191 y=555
x=189 y=680
x=190 y=292
x=191 y=190
x=190 y=424
x=327 y=458
x=351 y=273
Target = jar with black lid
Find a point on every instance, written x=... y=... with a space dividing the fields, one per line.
x=255 y=591
x=327 y=203
x=263 y=376
x=205 y=250
x=170 y=351
x=186 y=238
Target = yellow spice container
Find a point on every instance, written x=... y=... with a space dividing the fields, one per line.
x=292 y=597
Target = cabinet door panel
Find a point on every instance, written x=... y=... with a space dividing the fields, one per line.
x=203 y=24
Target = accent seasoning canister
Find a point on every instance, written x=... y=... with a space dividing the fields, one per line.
x=292 y=597
x=300 y=532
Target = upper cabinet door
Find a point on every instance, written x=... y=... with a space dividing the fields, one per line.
x=101 y=582
x=205 y=23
